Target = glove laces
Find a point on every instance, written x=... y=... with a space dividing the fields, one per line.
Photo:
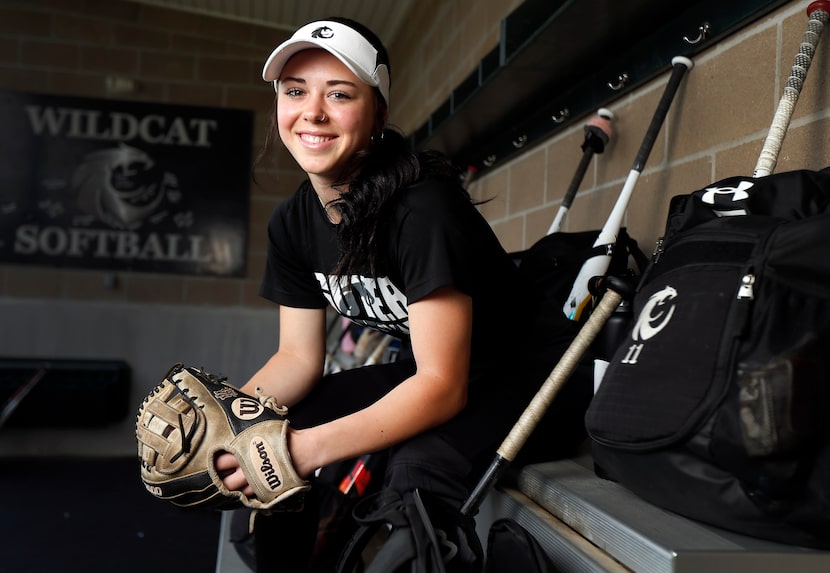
x=270 y=402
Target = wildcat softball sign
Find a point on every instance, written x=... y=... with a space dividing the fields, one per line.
x=121 y=185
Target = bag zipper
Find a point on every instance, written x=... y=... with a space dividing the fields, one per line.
x=737 y=321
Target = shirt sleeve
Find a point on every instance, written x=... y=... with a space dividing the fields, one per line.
x=436 y=240
x=289 y=278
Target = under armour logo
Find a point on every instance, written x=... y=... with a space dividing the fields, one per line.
x=324 y=32
x=710 y=197
x=655 y=315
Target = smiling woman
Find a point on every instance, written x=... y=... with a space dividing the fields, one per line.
x=389 y=238
x=325 y=116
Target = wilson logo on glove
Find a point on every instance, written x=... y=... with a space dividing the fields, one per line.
x=246 y=408
x=189 y=418
x=267 y=473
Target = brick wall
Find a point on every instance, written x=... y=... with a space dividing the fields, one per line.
x=715 y=129
x=70 y=47
x=441 y=44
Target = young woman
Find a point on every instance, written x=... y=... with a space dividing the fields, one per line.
x=390 y=239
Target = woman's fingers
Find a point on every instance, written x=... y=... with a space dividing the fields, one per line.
x=225 y=462
x=236 y=480
x=227 y=466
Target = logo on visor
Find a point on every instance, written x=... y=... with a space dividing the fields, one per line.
x=324 y=32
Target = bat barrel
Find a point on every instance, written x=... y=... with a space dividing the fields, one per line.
x=579 y=296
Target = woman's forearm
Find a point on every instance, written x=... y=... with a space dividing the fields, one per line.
x=414 y=406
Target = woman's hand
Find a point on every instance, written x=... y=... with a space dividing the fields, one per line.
x=441 y=327
x=227 y=466
x=231 y=474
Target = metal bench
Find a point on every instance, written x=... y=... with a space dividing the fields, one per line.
x=588 y=524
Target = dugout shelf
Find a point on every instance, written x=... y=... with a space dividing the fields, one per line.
x=588 y=524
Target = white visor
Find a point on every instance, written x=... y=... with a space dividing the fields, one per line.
x=340 y=40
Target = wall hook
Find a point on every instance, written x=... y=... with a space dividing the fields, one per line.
x=622 y=79
x=563 y=115
x=520 y=141
x=490 y=161
x=702 y=34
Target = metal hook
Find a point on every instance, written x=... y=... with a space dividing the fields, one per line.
x=622 y=79
x=491 y=159
x=702 y=34
x=563 y=115
x=520 y=142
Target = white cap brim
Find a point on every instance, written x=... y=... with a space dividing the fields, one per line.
x=340 y=40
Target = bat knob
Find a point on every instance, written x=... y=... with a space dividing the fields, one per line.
x=818 y=5
x=624 y=287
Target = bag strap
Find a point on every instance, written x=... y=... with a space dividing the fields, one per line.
x=370 y=513
x=413 y=539
x=633 y=249
x=510 y=547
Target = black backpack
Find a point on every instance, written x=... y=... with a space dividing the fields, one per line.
x=413 y=532
x=716 y=406
x=550 y=267
x=512 y=549
x=552 y=263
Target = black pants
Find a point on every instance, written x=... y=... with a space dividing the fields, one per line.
x=447 y=460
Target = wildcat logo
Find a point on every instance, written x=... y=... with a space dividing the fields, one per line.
x=713 y=196
x=655 y=315
x=121 y=186
x=325 y=32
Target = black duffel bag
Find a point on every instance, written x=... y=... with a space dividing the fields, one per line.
x=716 y=405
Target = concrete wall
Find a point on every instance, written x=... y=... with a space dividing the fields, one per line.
x=149 y=337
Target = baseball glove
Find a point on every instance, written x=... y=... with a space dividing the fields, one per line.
x=190 y=418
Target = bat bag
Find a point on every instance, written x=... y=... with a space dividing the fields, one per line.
x=551 y=265
x=413 y=532
x=512 y=549
x=716 y=405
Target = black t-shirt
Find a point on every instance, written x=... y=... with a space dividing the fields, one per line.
x=436 y=237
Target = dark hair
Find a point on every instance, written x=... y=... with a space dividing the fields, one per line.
x=374 y=176
x=387 y=166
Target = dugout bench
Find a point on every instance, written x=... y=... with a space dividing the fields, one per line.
x=587 y=524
